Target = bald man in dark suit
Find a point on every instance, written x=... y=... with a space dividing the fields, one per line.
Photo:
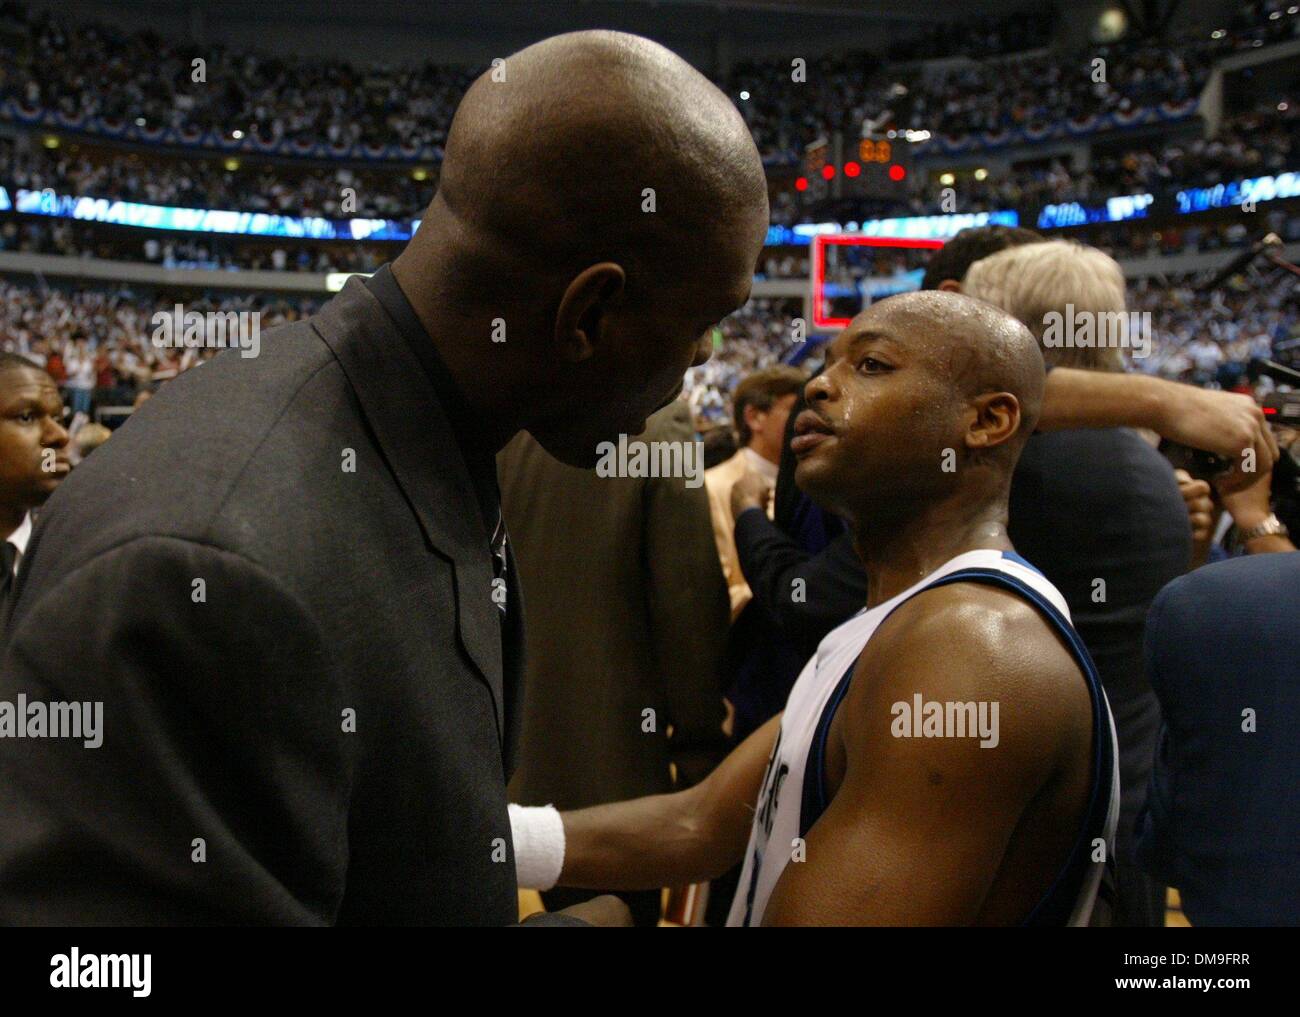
x=288 y=580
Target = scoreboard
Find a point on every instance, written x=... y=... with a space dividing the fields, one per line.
x=871 y=167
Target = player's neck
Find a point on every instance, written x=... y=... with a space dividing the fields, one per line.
x=899 y=552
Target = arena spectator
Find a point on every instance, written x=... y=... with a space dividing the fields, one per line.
x=33 y=458
x=1099 y=512
x=761 y=406
x=1222 y=817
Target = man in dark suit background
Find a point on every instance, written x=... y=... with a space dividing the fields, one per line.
x=627 y=612
x=287 y=580
x=1222 y=819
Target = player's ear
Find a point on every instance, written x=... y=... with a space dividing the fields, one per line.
x=950 y=286
x=584 y=309
x=996 y=420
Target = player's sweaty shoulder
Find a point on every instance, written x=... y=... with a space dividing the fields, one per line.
x=969 y=642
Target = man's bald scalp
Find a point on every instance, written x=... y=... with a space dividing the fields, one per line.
x=552 y=161
x=981 y=347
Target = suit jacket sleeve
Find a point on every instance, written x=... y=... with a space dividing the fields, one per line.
x=689 y=613
x=220 y=791
x=807 y=594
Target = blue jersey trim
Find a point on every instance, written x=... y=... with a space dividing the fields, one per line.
x=1057 y=904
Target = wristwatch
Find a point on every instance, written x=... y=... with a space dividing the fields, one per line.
x=1272 y=526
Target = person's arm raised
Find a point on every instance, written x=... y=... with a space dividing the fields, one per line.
x=916 y=832
x=669 y=840
x=1225 y=423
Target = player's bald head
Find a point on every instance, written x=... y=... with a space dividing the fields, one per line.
x=976 y=346
x=926 y=397
x=598 y=145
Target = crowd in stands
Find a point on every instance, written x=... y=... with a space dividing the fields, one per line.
x=334 y=192
x=97 y=342
x=210 y=251
x=1205 y=339
x=1210 y=338
x=122 y=77
x=1250 y=145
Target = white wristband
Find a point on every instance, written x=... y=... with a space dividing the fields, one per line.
x=538 y=834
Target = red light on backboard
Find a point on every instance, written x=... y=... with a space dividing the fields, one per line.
x=828 y=171
x=852 y=169
x=896 y=172
x=819 y=245
x=801 y=184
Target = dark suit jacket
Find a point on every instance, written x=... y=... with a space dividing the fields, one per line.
x=219 y=579
x=627 y=611
x=1222 y=820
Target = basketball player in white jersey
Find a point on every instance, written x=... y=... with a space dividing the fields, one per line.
x=947 y=756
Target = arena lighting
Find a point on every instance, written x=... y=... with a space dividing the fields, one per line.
x=947 y=178
x=744 y=95
x=896 y=172
x=801 y=184
x=852 y=169
x=237 y=135
x=981 y=174
x=819 y=245
x=1111 y=25
x=200 y=220
x=50 y=141
x=1117 y=209
x=231 y=165
x=1256 y=189
x=828 y=171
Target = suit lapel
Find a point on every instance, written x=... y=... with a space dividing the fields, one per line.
x=402 y=408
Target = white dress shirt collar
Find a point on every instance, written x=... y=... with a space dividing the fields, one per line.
x=20 y=537
x=765 y=469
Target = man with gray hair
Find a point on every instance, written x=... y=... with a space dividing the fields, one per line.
x=1098 y=510
x=1092 y=329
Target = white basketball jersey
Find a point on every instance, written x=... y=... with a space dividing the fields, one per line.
x=791 y=796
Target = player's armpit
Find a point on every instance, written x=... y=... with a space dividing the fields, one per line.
x=917 y=830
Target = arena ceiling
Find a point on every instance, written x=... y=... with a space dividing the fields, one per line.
x=538 y=17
